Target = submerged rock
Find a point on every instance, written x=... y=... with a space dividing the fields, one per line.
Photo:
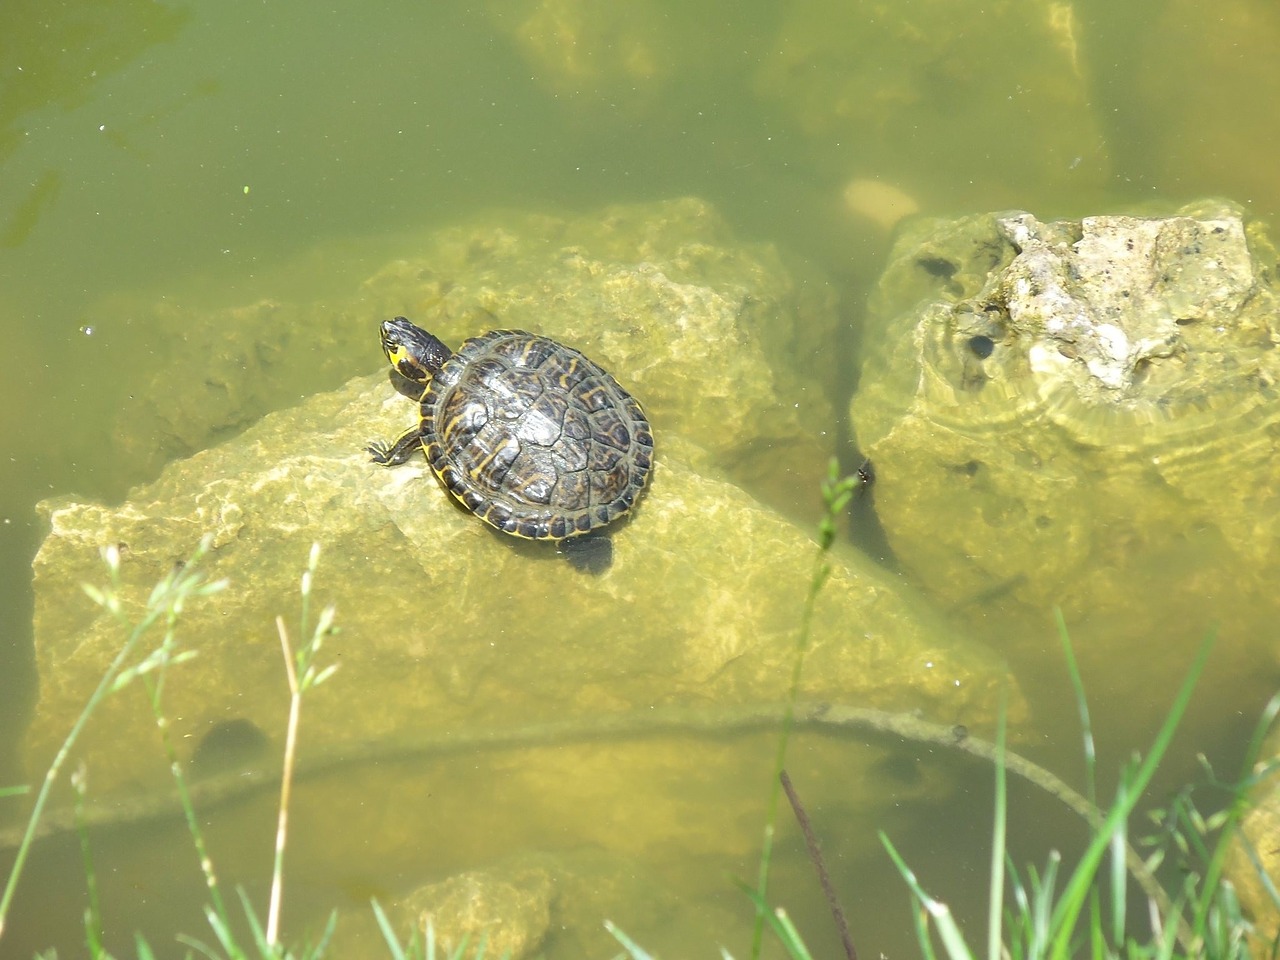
x=507 y=910
x=446 y=625
x=1081 y=413
x=721 y=340
x=864 y=80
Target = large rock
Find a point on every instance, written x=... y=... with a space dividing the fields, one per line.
x=1084 y=414
x=720 y=340
x=446 y=624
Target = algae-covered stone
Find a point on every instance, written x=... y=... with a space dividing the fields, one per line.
x=584 y=49
x=661 y=906
x=508 y=911
x=720 y=340
x=445 y=624
x=721 y=343
x=1074 y=412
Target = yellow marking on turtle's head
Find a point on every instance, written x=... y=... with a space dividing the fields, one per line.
x=404 y=362
x=414 y=354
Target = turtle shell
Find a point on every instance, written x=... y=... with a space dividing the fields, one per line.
x=534 y=438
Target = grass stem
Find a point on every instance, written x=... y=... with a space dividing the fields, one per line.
x=286 y=784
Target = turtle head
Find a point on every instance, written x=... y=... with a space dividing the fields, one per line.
x=412 y=352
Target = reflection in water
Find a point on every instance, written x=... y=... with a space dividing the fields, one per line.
x=55 y=53
x=229 y=745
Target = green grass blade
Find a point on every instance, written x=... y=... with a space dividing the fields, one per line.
x=1074 y=895
x=1097 y=940
x=203 y=948
x=322 y=945
x=939 y=912
x=1119 y=874
x=634 y=950
x=1042 y=899
x=1082 y=706
x=265 y=948
x=995 y=902
x=388 y=933
x=1231 y=825
x=143 y=948
x=788 y=935
x=780 y=924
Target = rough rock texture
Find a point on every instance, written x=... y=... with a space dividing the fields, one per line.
x=509 y=911
x=590 y=50
x=720 y=340
x=709 y=334
x=583 y=887
x=447 y=623
x=1075 y=413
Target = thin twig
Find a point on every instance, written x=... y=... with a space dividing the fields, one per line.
x=815 y=857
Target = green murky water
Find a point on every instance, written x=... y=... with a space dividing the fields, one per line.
x=164 y=161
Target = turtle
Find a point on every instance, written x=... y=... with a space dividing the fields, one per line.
x=528 y=434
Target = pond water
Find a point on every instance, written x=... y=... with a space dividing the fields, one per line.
x=166 y=161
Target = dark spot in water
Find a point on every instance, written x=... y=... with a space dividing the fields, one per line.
x=897 y=767
x=229 y=745
x=982 y=346
x=937 y=267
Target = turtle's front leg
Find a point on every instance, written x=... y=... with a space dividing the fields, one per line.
x=405 y=447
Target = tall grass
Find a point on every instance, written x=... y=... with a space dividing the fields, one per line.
x=164 y=605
